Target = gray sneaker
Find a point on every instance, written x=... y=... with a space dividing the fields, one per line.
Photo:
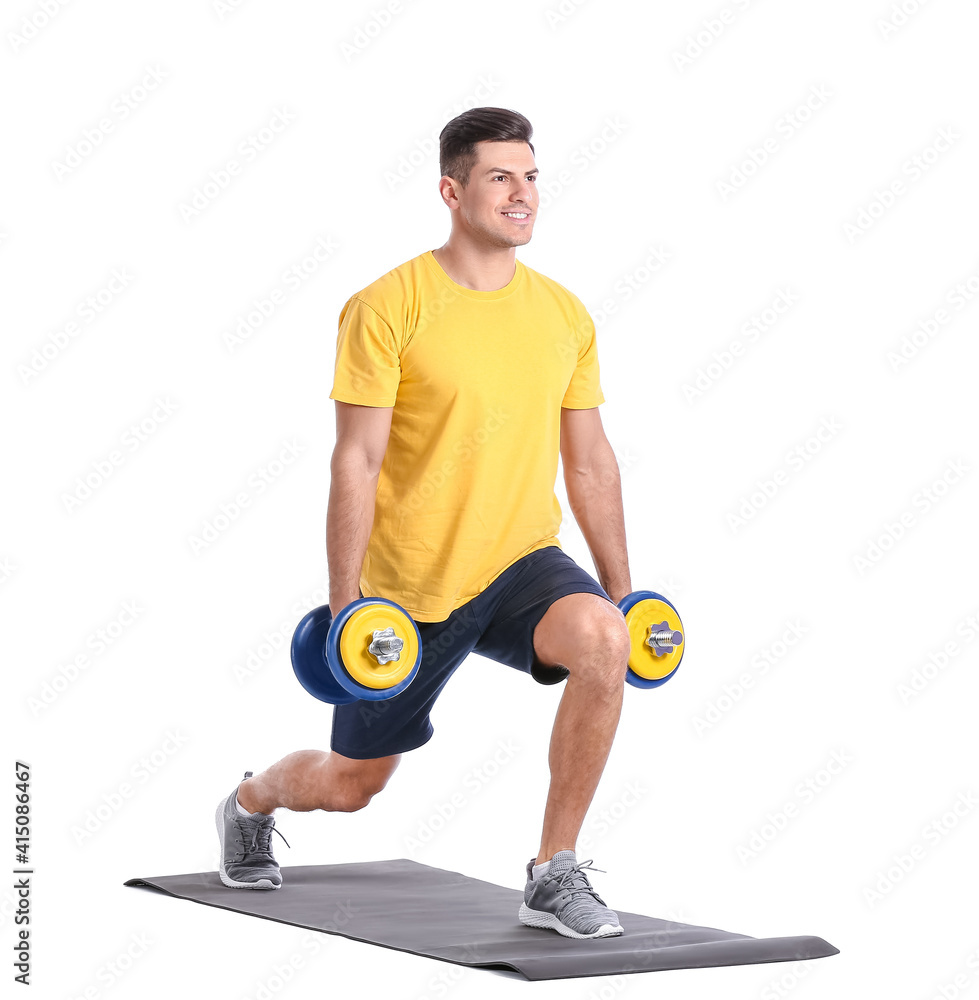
x=246 y=849
x=563 y=900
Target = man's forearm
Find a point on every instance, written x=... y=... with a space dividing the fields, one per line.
x=349 y=518
x=595 y=497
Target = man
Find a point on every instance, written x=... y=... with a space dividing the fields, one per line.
x=460 y=377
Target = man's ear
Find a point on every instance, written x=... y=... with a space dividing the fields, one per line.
x=448 y=188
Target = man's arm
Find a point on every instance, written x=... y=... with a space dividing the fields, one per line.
x=362 y=439
x=591 y=475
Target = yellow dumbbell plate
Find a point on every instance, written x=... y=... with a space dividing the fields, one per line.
x=357 y=634
x=642 y=659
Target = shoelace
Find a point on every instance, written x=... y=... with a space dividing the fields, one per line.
x=568 y=880
x=260 y=841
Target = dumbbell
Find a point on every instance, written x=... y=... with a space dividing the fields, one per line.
x=657 y=638
x=371 y=651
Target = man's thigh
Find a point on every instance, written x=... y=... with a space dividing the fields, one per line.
x=498 y=624
x=370 y=729
x=543 y=578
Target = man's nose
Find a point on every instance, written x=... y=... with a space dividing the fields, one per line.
x=524 y=193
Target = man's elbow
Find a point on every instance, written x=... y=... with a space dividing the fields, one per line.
x=599 y=471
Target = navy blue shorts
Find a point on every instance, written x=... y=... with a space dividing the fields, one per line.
x=499 y=623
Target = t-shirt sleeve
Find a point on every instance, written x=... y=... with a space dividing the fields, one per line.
x=368 y=367
x=584 y=390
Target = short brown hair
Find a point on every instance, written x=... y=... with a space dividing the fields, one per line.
x=457 y=141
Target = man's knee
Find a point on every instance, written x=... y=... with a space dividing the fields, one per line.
x=590 y=638
x=350 y=800
x=609 y=647
x=356 y=782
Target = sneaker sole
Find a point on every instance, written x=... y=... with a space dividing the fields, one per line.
x=548 y=921
x=262 y=883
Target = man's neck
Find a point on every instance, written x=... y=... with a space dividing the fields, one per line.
x=481 y=270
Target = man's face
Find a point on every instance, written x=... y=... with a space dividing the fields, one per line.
x=499 y=205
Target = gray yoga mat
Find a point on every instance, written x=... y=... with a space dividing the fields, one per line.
x=427 y=911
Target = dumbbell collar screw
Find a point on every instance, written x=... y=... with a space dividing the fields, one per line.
x=662 y=638
x=385 y=645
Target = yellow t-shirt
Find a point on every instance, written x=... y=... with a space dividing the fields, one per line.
x=477 y=381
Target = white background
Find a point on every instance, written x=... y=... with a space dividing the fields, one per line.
x=721 y=804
